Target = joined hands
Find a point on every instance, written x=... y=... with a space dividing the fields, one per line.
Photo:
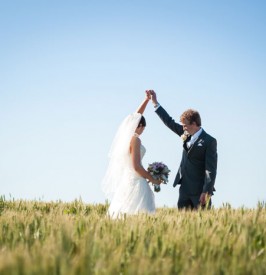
x=151 y=95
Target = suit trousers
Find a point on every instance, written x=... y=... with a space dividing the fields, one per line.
x=186 y=201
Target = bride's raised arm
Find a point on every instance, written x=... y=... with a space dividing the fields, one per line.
x=143 y=105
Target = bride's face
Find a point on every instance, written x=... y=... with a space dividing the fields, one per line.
x=140 y=130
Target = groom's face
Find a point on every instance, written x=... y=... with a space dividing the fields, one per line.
x=188 y=127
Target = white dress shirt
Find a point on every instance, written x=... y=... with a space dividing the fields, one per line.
x=194 y=138
x=156 y=106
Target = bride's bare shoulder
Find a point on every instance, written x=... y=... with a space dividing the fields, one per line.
x=135 y=142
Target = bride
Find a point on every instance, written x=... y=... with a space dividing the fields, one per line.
x=125 y=182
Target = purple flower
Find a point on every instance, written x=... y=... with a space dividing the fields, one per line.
x=159 y=171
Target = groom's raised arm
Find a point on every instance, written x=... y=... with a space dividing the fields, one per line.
x=169 y=121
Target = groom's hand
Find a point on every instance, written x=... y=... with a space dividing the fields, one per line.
x=153 y=97
x=204 y=198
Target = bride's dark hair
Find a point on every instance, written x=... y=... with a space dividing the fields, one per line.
x=142 y=122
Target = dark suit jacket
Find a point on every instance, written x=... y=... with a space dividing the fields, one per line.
x=197 y=171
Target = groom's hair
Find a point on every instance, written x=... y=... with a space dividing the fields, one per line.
x=142 y=122
x=191 y=116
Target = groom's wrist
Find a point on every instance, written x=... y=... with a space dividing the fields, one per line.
x=156 y=106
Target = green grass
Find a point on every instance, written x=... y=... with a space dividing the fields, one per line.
x=76 y=238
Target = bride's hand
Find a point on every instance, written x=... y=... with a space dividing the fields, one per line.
x=156 y=181
x=148 y=94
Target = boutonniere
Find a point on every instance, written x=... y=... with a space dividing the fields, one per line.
x=199 y=143
x=185 y=136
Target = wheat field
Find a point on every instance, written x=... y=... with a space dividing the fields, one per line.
x=77 y=238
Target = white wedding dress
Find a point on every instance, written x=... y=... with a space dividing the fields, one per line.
x=128 y=192
x=134 y=196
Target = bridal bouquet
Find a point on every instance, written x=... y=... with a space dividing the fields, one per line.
x=159 y=171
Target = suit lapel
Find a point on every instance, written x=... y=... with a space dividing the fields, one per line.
x=201 y=137
x=185 y=143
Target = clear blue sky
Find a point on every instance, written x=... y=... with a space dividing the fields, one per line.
x=71 y=71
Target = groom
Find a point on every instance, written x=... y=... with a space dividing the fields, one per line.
x=197 y=171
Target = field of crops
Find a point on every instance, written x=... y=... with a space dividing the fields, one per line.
x=76 y=238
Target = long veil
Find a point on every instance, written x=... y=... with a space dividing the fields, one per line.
x=119 y=155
